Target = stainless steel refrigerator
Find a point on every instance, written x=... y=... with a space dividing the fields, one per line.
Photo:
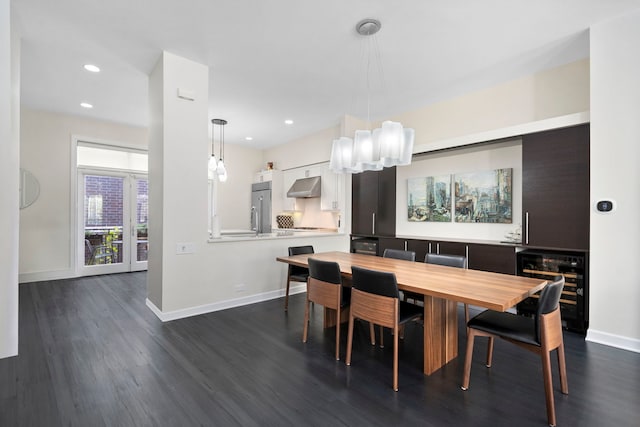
x=261 y=207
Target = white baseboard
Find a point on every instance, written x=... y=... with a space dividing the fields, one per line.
x=617 y=341
x=46 y=275
x=221 y=305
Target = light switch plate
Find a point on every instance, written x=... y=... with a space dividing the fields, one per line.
x=185 y=248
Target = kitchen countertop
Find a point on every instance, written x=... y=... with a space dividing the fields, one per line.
x=503 y=242
x=239 y=235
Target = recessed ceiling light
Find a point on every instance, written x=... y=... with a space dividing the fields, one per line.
x=288 y=122
x=92 y=68
x=86 y=105
x=249 y=138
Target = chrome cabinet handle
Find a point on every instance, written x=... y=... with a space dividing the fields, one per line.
x=373 y=223
x=526 y=226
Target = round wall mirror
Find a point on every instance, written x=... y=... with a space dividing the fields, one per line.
x=29 y=188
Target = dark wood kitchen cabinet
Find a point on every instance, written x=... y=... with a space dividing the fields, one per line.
x=420 y=247
x=390 y=243
x=374 y=203
x=555 y=189
x=423 y=247
x=494 y=258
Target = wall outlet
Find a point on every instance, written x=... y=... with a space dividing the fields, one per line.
x=240 y=287
x=185 y=248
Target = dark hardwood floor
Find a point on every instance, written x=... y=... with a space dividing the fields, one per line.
x=92 y=354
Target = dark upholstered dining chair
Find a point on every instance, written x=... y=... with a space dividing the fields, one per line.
x=374 y=298
x=540 y=334
x=296 y=273
x=405 y=256
x=459 y=261
x=324 y=287
x=399 y=254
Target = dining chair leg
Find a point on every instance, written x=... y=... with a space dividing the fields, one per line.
x=381 y=337
x=489 y=352
x=349 y=341
x=286 y=292
x=564 y=385
x=305 y=328
x=467 y=361
x=372 y=333
x=395 y=357
x=466 y=317
x=548 y=386
x=338 y=333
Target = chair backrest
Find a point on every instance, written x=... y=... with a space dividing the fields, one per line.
x=375 y=282
x=299 y=250
x=459 y=261
x=549 y=300
x=399 y=254
x=325 y=271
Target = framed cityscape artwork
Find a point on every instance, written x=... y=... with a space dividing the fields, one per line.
x=484 y=197
x=429 y=199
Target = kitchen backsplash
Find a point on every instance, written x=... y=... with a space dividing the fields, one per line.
x=313 y=216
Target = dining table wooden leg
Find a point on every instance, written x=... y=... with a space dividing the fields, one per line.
x=440 y=333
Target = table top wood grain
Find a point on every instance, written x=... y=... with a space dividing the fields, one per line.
x=495 y=291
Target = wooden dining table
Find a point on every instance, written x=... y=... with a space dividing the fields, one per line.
x=443 y=288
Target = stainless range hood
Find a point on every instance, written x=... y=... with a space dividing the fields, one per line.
x=305 y=188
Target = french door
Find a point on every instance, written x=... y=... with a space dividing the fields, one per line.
x=113 y=212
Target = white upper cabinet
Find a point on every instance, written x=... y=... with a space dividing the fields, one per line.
x=288 y=178
x=332 y=196
x=263 y=176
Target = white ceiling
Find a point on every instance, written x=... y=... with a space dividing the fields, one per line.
x=299 y=59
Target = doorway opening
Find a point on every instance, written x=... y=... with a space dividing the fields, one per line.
x=113 y=209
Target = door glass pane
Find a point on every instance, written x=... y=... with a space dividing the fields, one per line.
x=142 y=214
x=103 y=219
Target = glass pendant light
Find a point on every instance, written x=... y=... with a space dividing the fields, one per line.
x=220 y=168
x=387 y=146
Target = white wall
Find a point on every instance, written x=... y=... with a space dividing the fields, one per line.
x=615 y=154
x=313 y=148
x=178 y=190
x=9 y=173
x=552 y=93
x=46 y=236
x=506 y=154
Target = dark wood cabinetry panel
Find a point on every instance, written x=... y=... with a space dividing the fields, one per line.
x=449 y=248
x=497 y=259
x=555 y=188
x=364 y=202
x=374 y=203
x=390 y=243
x=420 y=247
x=386 y=213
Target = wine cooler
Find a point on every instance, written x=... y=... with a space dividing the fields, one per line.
x=574 y=306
